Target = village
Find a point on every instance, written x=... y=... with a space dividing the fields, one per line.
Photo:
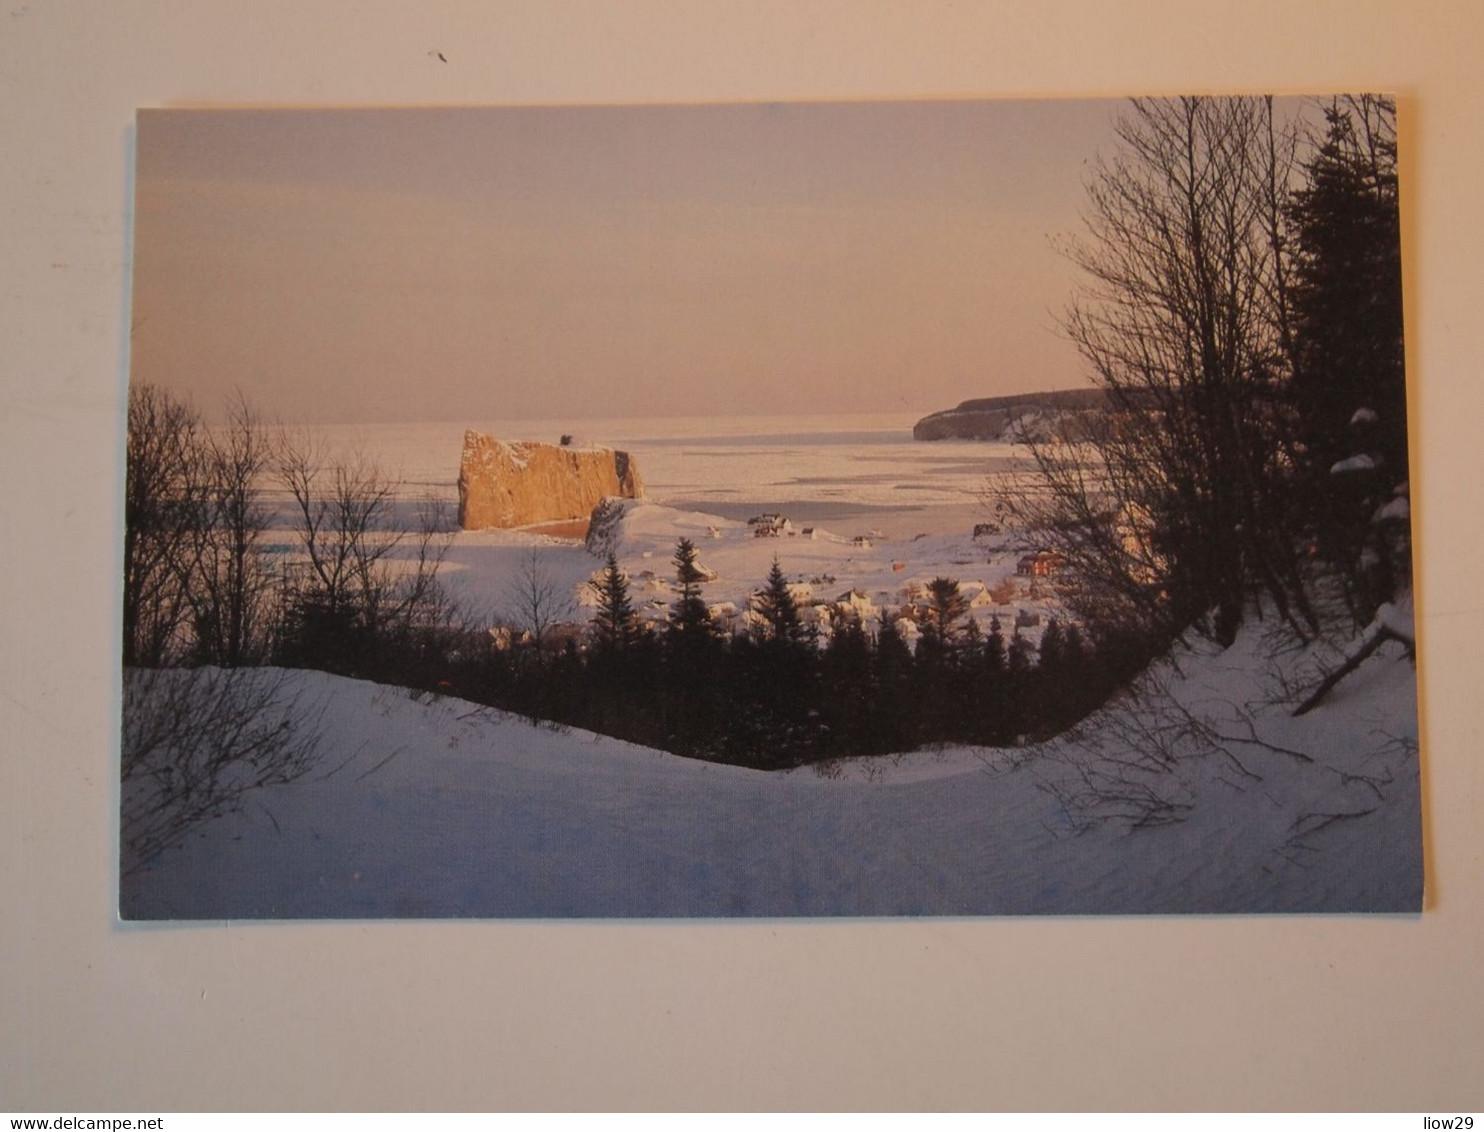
x=834 y=579
x=524 y=505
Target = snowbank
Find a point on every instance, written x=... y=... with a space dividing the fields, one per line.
x=429 y=807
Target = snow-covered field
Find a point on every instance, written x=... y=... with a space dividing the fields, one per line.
x=429 y=807
x=1205 y=796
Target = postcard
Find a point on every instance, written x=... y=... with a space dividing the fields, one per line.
x=939 y=508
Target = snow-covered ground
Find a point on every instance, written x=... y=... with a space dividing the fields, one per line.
x=826 y=570
x=1205 y=795
x=887 y=514
x=429 y=807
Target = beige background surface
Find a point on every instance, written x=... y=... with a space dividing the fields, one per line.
x=1242 y=1013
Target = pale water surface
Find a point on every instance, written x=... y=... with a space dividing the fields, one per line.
x=841 y=472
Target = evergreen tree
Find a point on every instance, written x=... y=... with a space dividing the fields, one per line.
x=1018 y=657
x=1347 y=297
x=940 y=698
x=1049 y=701
x=1052 y=654
x=991 y=723
x=971 y=645
x=850 y=710
x=946 y=608
x=693 y=688
x=1078 y=682
x=891 y=684
x=615 y=625
x=1019 y=673
x=773 y=685
x=778 y=609
x=689 y=614
x=994 y=650
x=1348 y=386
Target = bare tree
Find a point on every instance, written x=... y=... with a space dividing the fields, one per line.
x=1169 y=508
x=535 y=600
x=197 y=742
x=164 y=513
x=232 y=588
x=361 y=580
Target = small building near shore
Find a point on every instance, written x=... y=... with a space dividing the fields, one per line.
x=1042 y=564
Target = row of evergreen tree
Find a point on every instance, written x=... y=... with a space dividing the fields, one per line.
x=204 y=587
x=777 y=695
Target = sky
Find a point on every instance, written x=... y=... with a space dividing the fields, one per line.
x=592 y=262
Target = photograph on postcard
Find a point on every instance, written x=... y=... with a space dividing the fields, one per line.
x=939 y=508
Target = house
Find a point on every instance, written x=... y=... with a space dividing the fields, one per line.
x=770 y=525
x=1042 y=564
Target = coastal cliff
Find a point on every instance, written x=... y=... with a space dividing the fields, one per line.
x=519 y=483
x=1060 y=413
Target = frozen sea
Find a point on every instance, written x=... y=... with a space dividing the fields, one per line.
x=851 y=474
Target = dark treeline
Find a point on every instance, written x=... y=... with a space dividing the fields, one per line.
x=358 y=595
x=777 y=695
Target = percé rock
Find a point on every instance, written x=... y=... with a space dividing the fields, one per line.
x=518 y=483
x=1003 y=418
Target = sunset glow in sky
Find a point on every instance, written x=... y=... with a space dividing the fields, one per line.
x=474 y=264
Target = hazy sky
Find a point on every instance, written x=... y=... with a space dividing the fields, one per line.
x=472 y=264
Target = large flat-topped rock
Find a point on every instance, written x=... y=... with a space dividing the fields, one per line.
x=519 y=483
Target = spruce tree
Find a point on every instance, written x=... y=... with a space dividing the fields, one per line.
x=994 y=650
x=1347 y=281
x=692 y=685
x=891 y=682
x=1052 y=654
x=993 y=724
x=1019 y=711
x=848 y=706
x=1049 y=697
x=1348 y=388
x=615 y=625
x=778 y=609
x=689 y=613
x=946 y=607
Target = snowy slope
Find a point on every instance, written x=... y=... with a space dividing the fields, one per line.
x=447 y=809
